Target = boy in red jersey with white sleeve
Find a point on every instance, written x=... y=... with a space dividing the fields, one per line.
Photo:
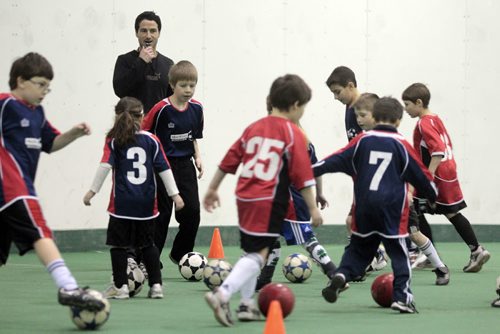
x=273 y=154
x=432 y=142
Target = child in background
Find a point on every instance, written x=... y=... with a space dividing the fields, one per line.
x=297 y=228
x=273 y=154
x=382 y=163
x=134 y=156
x=25 y=133
x=342 y=83
x=433 y=144
x=178 y=122
x=364 y=116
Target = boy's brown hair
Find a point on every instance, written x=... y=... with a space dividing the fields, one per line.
x=366 y=101
x=183 y=70
x=417 y=91
x=30 y=65
x=387 y=109
x=287 y=90
x=341 y=75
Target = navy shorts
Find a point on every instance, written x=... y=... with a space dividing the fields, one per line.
x=21 y=222
x=130 y=232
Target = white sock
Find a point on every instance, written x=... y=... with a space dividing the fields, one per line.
x=61 y=275
x=244 y=274
x=431 y=253
x=273 y=257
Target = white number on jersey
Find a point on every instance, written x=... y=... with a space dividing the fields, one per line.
x=140 y=173
x=375 y=156
x=448 y=153
x=265 y=162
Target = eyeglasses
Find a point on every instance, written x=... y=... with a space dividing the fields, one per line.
x=42 y=85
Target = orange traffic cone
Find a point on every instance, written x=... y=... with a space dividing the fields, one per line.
x=274 y=322
x=216 y=250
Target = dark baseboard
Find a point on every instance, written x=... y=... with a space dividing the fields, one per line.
x=91 y=240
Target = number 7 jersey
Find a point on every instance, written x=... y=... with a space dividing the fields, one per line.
x=273 y=154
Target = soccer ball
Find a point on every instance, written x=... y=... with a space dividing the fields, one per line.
x=297 y=268
x=191 y=266
x=215 y=272
x=279 y=292
x=85 y=319
x=136 y=278
x=382 y=289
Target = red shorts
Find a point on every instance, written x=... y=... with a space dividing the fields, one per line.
x=450 y=198
x=261 y=218
x=23 y=223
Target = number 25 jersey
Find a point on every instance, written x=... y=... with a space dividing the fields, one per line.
x=273 y=154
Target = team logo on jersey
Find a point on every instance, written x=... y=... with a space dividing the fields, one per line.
x=171 y=125
x=33 y=143
x=182 y=137
x=25 y=123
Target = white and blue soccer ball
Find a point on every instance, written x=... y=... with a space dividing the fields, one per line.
x=215 y=272
x=85 y=319
x=297 y=268
x=191 y=266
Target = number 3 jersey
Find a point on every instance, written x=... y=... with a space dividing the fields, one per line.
x=382 y=163
x=133 y=194
x=430 y=138
x=24 y=134
x=273 y=154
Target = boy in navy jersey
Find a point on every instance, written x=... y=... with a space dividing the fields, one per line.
x=273 y=155
x=342 y=83
x=178 y=122
x=382 y=163
x=433 y=144
x=364 y=116
x=134 y=156
x=24 y=134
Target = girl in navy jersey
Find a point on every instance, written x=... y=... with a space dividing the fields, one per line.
x=134 y=156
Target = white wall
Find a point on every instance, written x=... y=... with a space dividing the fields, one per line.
x=239 y=47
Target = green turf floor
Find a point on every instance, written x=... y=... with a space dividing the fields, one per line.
x=28 y=300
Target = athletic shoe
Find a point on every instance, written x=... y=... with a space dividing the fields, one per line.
x=442 y=275
x=404 y=308
x=421 y=262
x=156 y=291
x=142 y=266
x=247 y=312
x=221 y=309
x=132 y=264
x=496 y=302
x=477 y=258
x=112 y=292
x=378 y=263
x=414 y=254
x=332 y=290
x=80 y=298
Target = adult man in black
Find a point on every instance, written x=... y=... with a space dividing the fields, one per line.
x=143 y=73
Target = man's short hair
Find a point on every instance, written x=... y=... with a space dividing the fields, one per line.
x=148 y=15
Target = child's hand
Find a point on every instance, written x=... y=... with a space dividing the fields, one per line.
x=321 y=201
x=82 y=129
x=88 y=196
x=179 y=202
x=316 y=219
x=199 y=167
x=211 y=200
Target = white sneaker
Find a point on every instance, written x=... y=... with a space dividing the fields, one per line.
x=156 y=291
x=114 y=293
x=421 y=262
x=221 y=309
x=247 y=312
x=477 y=259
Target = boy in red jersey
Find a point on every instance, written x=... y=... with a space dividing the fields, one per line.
x=433 y=144
x=24 y=134
x=273 y=154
